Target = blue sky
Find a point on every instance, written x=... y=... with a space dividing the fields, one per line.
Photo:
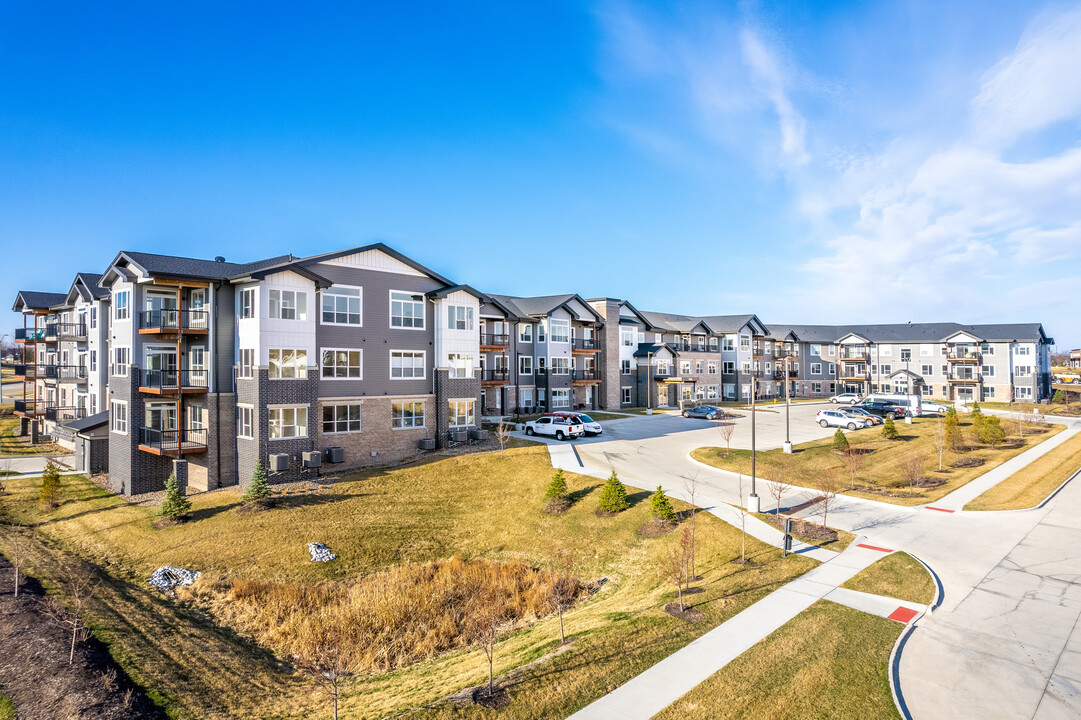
x=809 y=162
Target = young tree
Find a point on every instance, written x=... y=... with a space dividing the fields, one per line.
x=675 y=566
x=978 y=419
x=940 y=440
x=484 y=623
x=78 y=586
x=954 y=439
x=557 y=488
x=563 y=586
x=1059 y=397
x=660 y=507
x=992 y=433
x=50 y=486
x=827 y=486
x=175 y=505
x=727 y=428
x=690 y=485
x=840 y=441
x=614 y=495
x=853 y=463
x=321 y=658
x=502 y=436
x=21 y=543
x=912 y=466
x=258 y=490
x=889 y=430
x=779 y=485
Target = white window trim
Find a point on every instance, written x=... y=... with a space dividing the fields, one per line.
x=112 y=417
x=307 y=365
x=390 y=312
x=341 y=403
x=360 y=367
x=423 y=364
x=271 y=408
x=424 y=415
x=281 y=304
x=524 y=358
x=251 y=408
x=113 y=364
x=525 y=332
x=563 y=323
x=254 y=304
x=451 y=401
x=127 y=305
x=320 y=294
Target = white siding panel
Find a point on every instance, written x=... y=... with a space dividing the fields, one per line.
x=375 y=260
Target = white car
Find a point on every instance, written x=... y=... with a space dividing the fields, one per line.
x=930 y=406
x=850 y=398
x=557 y=426
x=838 y=418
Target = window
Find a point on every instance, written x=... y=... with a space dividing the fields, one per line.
x=405 y=364
x=728 y=390
x=662 y=367
x=685 y=367
x=288 y=422
x=247 y=303
x=945 y=370
x=988 y=393
x=624 y=367
x=816 y=350
x=561 y=398
x=833 y=369
x=886 y=369
x=247 y=363
x=1022 y=370
x=288 y=305
x=713 y=344
x=525 y=365
x=93 y=361
x=987 y=348
x=745 y=367
x=744 y=342
x=288 y=364
x=338 y=363
x=727 y=343
x=989 y=371
x=926 y=370
x=461 y=365
x=459 y=317
x=118 y=417
x=561 y=365
x=833 y=350
x=408 y=414
x=816 y=368
x=525 y=332
x=698 y=367
x=341 y=306
x=525 y=397
x=711 y=392
x=93 y=318
x=625 y=396
x=626 y=337
x=728 y=367
x=711 y=367
x=460 y=413
x=341 y=419
x=906 y=354
x=120 y=305
x=816 y=388
x=244 y=421
x=121 y=360
x=1022 y=350
x=406 y=310
x=1024 y=393
x=561 y=330
x=542 y=328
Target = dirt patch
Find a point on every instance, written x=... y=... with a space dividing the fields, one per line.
x=805 y=529
x=497 y=699
x=683 y=612
x=968 y=462
x=743 y=561
x=652 y=529
x=34 y=670
x=927 y=483
x=604 y=513
x=693 y=590
x=164 y=522
x=247 y=508
x=557 y=506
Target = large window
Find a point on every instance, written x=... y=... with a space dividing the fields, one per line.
x=247 y=303
x=561 y=398
x=341 y=419
x=728 y=367
x=525 y=365
x=288 y=304
x=247 y=363
x=287 y=364
x=625 y=395
x=525 y=332
x=93 y=318
x=459 y=317
x=816 y=368
x=927 y=370
x=121 y=311
x=406 y=365
x=541 y=329
x=728 y=343
x=406 y=310
x=626 y=336
x=288 y=422
x=561 y=365
x=341 y=306
x=118 y=417
x=121 y=360
x=341 y=364
x=624 y=367
x=561 y=331
x=407 y=415
x=744 y=342
x=461 y=365
x=244 y=421
x=460 y=413
x=712 y=367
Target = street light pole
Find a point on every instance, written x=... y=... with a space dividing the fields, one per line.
x=754 y=503
x=787 y=407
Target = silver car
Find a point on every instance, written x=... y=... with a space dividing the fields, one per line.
x=837 y=418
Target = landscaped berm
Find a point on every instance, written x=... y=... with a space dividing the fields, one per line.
x=904 y=471
x=434 y=561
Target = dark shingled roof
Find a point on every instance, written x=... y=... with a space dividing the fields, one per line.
x=39 y=300
x=91 y=282
x=173 y=266
x=541 y=305
x=89 y=422
x=910 y=332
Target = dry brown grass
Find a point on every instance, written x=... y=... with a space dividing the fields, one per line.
x=1031 y=484
x=386 y=620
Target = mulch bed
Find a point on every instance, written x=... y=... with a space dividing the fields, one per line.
x=652 y=528
x=930 y=482
x=968 y=462
x=805 y=529
x=34 y=670
x=689 y=614
x=497 y=700
x=557 y=506
x=743 y=561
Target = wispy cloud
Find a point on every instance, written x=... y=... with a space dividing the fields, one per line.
x=767 y=71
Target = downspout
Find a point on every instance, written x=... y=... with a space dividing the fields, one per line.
x=217 y=385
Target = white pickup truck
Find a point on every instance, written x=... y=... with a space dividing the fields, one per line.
x=557 y=426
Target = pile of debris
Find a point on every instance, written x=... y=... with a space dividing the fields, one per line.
x=320 y=552
x=168 y=577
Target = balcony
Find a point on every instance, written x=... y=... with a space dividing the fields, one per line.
x=26 y=372
x=494 y=377
x=173 y=382
x=852 y=376
x=793 y=373
x=55 y=413
x=172 y=442
x=854 y=353
x=65 y=331
x=585 y=345
x=680 y=347
x=65 y=373
x=963 y=355
x=29 y=408
x=494 y=341
x=29 y=335
x=956 y=377
x=172 y=322
x=585 y=377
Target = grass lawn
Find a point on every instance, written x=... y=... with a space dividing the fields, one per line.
x=844 y=539
x=898 y=575
x=595 y=414
x=642 y=411
x=881 y=476
x=11 y=446
x=1031 y=484
x=7 y=710
x=473 y=505
x=830 y=661
x=1073 y=408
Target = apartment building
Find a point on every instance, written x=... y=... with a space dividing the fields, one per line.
x=204 y=368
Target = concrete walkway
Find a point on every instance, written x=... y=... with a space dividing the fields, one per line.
x=887 y=607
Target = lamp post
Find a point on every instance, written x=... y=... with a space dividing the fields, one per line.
x=649 y=383
x=787 y=406
x=754 y=503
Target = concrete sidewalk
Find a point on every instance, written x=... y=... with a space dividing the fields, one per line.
x=900 y=610
x=658 y=687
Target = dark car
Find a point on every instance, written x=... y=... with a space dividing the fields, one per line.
x=884 y=409
x=710 y=412
x=860 y=412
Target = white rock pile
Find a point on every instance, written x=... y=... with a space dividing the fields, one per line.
x=320 y=552
x=168 y=577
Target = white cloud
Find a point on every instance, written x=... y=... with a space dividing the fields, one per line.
x=767 y=71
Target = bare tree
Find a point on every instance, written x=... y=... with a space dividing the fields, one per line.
x=827 y=486
x=78 y=587
x=853 y=458
x=563 y=586
x=322 y=659
x=21 y=544
x=675 y=567
x=912 y=466
x=727 y=428
x=779 y=485
x=690 y=486
x=502 y=435
x=485 y=623
x=940 y=439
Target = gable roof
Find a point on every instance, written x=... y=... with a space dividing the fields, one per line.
x=89 y=422
x=645 y=349
x=525 y=307
x=444 y=292
x=302 y=264
x=173 y=266
x=33 y=300
x=673 y=322
x=915 y=332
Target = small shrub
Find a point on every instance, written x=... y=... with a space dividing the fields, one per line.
x=660 y=507
x=991 y=432
x=613 y=496
x=50 y=486
x=953 y=431
x=557 y=489
x=175 y=505
x=259 y=489
x=840 y=441
x=889 y=430
x=1059 y=397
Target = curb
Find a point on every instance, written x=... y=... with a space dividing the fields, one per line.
x=895 y=653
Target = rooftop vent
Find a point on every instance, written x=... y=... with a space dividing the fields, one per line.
x=219 y=258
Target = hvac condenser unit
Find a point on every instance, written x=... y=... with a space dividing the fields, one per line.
x=313 y=459
x=279 y=462
x=335 y=454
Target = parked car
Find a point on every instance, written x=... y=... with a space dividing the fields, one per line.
x=884 y=409
x=932 y=406
x=559 y=427
x=709 y=412
x=850 y=398
x=592 y=427
x=836 y=418
x=862 y=414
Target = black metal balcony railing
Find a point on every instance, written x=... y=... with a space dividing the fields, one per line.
x=498 y=375
x=173 y=379
x=586 y=375
x=65 y=331
x=494 y=340
x=859 y=353
x=173 y=320
x=681 y=347
x=64 y=413
x=586 y=344
x=778 y=374
x=962 y=354
x=28 y=407
x=65 y=373
x=171 y=441
x=29 y=334
x=963 y=377
x=29 y=372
